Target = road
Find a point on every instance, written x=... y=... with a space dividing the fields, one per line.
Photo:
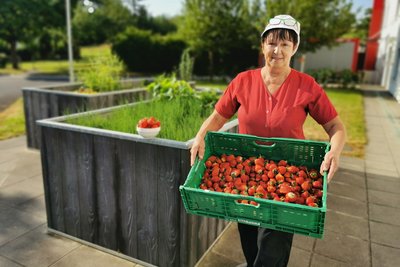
x=10 y=86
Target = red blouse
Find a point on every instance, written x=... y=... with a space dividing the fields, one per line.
x=281 y=114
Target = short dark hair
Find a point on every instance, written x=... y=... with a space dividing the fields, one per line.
x=281 y=34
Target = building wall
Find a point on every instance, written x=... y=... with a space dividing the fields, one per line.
x=389 y=48
x=337 y=58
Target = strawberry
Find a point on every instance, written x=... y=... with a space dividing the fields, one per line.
x=313 y=174
x=290 y=197
x=282 y=169
x=259 y=161
x=259 y=169
x=317 y=184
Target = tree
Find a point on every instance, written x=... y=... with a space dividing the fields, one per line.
x=21 y=20
x=322 y=21
x=361 y=28
x=217 y=27
x=109 y=18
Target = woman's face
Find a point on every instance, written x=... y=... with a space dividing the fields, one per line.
x=277 y=52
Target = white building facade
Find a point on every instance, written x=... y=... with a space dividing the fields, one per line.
x=388 y=57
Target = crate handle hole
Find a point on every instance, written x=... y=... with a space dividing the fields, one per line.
x=265 y=143
x=247 y=203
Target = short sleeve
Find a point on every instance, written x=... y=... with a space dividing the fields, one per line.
x=228 y=104
x=321 y=108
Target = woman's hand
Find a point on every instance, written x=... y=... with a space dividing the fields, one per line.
x=330 y=164
x=213 y=123
x=337 y=134
x=197 y=149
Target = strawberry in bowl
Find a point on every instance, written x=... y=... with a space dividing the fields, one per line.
x=148 y=127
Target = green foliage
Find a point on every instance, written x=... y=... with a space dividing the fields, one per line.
x=109 y=18
x=345 y=78
x=169 y=88
x=208 y=98
x=144 y=51
x=186 y=66
x=180 y=118
x=3 y=60
x=22 y=20
x=159 y=24
x=220 y=32
x=322 y=22
x=102 y=74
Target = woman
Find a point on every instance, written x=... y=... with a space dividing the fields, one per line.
x=273 y=101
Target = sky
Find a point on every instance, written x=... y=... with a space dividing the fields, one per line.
x=174 y=7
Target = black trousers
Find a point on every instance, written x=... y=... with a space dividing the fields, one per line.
x=265 y=247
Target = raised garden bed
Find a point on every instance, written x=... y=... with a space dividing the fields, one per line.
x=121 y=191
x=52 y=101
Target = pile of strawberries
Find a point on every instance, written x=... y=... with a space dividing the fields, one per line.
x=150 y=122
x=263 y=178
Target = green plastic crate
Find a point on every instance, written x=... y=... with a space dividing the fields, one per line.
x=287 y=217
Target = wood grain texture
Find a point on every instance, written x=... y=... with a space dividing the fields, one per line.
x=43 y=104
x=123 y=195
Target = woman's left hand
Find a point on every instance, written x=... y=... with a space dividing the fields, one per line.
x=330 y=164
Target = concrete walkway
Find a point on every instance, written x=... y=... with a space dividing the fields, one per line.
x=362 y=226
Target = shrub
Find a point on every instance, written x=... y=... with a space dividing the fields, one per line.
x=344 y=78
x=165 y=87
x=186 y=66
x=144 y=51
x=102 y=74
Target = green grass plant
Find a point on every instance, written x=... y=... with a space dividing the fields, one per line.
x=180 y=117
x=12 y=120
x=349 y=105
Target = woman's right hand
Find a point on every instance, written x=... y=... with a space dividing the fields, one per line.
x=197 y=149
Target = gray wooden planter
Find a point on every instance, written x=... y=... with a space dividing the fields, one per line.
x=53 y=101
x=121 y=192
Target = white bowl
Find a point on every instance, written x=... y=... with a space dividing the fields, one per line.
x=148 y=132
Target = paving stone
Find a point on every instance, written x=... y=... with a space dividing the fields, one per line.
x=378 y=157
x=350 y=177
x=385 y=234
x=303 y=242
x=343 y=189
x=4 y=262
x=231 y=237
x=319 y=260
x=216 y=260
x=85 y=256
x=14 y=223
x=383 y=256
x=35 y=206
x=13 y=143
x=299 y=257
x=347 y=224
x=19 y=169
x=377 y=171
x=344 y=248
x=383 y=184
x=384 y=214
x=384 y=166
x=20 y=192
x=386 y=198
x=37 y=248
x=355 y=166
x=347 y=205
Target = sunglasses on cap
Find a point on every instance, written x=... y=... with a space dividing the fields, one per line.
x=287 y=22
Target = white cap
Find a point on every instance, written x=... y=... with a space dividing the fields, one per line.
x=284 y=22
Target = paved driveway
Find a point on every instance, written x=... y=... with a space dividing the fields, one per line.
x=10 y=86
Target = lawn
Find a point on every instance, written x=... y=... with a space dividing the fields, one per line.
x=59 y=67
